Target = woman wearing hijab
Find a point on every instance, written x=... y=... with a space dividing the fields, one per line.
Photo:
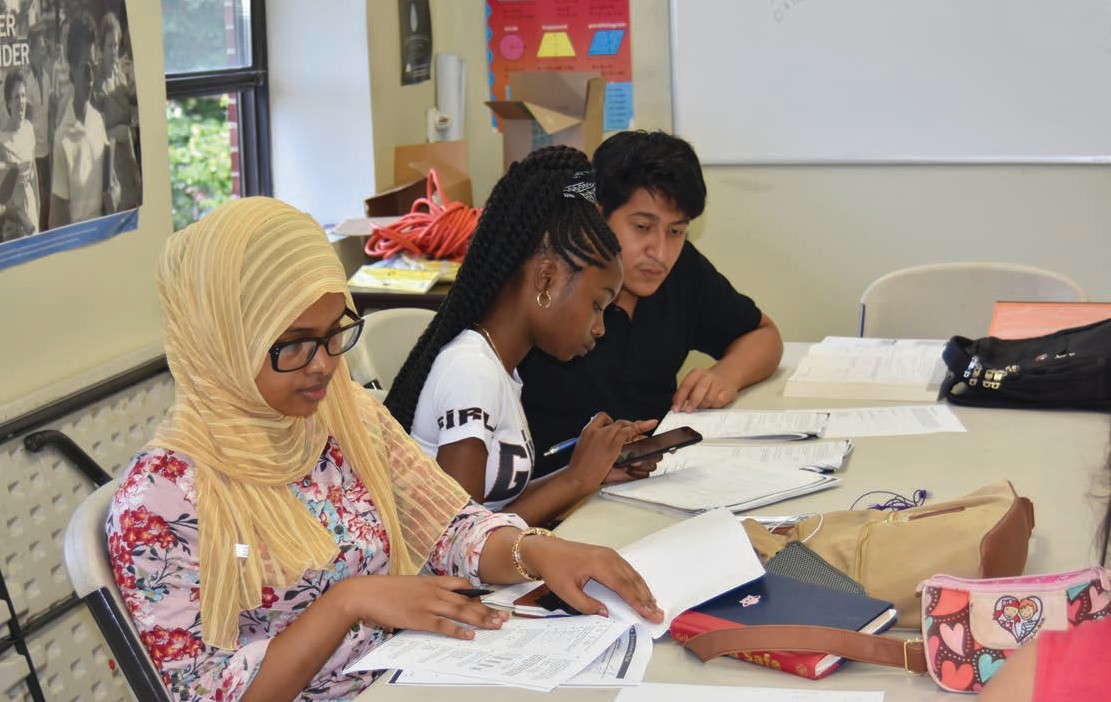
x=271 y=532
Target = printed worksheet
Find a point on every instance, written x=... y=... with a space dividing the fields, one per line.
x=745 y=425
x=819 y=456
x=537 y=654
x=621 y=664
x=892 y=421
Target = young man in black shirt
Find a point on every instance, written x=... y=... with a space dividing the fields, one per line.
x=650 y=187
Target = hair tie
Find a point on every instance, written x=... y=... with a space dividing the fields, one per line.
x=581 y=185
x=896 y=502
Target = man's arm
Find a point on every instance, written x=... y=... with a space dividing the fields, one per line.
x=748 y=359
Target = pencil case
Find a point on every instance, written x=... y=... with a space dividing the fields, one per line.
x=971 y=626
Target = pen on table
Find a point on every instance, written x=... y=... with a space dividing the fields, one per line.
x=562 y=446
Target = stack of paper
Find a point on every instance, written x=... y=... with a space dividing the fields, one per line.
x=817 y=456
x=736 y=484
x=623 y=663
x=742 y=425
x=870 y=369
x=540 y=654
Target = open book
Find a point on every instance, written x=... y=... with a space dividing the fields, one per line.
x=870 y=369
x=714 y=545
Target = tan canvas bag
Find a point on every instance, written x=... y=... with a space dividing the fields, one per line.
x=985 y=534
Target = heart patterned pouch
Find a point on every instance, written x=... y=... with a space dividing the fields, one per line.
x=969 y=627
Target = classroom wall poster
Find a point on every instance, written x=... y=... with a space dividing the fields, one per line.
x=563 y=35
x=416 y=41
x=70 y=171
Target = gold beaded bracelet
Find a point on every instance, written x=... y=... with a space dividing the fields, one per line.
x=531 y=531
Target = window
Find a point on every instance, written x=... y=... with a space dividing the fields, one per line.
x=217 y=105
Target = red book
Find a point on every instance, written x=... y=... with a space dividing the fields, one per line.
x=776 y=599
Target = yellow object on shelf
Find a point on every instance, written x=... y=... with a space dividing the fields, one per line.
x=394 y=279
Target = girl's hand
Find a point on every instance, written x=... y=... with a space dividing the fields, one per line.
x=421 y=602
x=599 y=445
x=566 y=566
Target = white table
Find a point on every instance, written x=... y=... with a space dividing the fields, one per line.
x=1053 y=457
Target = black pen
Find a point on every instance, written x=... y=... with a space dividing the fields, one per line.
x=472 y=592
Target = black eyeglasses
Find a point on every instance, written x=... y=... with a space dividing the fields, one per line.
x=288 y=356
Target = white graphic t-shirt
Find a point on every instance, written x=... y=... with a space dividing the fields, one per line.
x=468 y=395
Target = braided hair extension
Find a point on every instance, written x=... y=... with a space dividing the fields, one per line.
x=534 y=207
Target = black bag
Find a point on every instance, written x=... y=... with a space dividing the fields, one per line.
x=1067 y=368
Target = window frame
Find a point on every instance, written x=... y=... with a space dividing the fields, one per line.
x=250 y=84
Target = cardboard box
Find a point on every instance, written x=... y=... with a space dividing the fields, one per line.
x=551 y=107
x=411 y=164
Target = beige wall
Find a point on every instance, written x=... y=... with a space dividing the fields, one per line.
x=804 y=241
x=74 y=317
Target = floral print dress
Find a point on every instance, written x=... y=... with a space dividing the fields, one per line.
x=153 y=543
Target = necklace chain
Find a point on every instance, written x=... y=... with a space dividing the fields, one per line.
x=490 y=340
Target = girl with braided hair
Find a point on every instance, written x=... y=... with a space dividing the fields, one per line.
x=541 y=267
x=273 y=530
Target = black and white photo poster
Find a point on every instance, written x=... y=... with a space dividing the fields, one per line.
x=70 y=169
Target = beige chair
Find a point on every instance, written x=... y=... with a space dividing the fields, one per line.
x=388 y=336
x=941 y=300
x=90 y=571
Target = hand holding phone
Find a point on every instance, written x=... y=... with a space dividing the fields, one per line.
x=657 y=445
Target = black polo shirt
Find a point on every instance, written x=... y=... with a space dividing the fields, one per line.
x=631 y=373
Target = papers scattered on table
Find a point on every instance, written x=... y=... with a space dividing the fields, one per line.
x=818 y=456
x=736 y=484
x=667 y=692
x=537 y=654
x=892 y=421
x=870 y=369
x=623 y=663
x=540 y=654
x=746 y=425
x=718 y=426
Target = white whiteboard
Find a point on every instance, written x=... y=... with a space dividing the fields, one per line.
x=889 y=81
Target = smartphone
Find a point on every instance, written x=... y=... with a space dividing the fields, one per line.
x=656 y=445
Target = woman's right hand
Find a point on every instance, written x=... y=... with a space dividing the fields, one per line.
x=420 y=602
x=600 y=443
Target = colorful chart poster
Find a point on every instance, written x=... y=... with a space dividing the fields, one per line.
x=563 y=35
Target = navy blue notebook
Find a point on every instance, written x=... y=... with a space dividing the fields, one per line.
x=777 y=599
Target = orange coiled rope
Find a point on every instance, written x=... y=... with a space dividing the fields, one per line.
x=432 y=230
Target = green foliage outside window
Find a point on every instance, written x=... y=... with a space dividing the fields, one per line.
x=200 y=156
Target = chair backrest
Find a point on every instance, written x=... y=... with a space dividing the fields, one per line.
x=941 y=300
x=388 y=336
x=90 y=571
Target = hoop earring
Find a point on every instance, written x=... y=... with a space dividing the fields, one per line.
x=543 y=299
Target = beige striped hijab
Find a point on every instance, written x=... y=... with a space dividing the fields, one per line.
x=230 y=285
